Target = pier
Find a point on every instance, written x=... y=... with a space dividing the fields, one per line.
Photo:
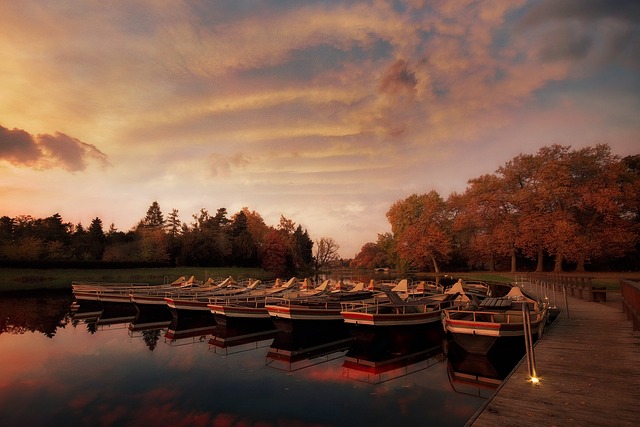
x=588 y=363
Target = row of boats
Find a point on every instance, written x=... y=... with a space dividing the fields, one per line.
x=477 y=319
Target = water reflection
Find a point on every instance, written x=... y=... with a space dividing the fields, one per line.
x=390 y=353
x=479 y=375
x=193 y=329
x=54 y=372
x=43 y=312
x=234 y=338
x=303 y=346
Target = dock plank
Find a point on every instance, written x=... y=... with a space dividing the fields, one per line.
x=589 y=369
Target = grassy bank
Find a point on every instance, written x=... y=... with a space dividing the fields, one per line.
x=14 y=279
x=608 y=279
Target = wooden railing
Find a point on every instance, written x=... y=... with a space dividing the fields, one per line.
x=631 y=301
x=576 y=286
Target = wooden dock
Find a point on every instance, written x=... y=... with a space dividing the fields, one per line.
x=589 y=370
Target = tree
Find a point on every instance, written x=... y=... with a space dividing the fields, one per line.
x=487 y=217
x=96 y=239
x=243 y=247
x=154 y=217
x=276 y=253
x=173 y=224
x=326 y=253
x=302 y=249
x=422 y=229
x=371 y=256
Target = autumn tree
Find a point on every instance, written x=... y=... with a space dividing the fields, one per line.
x=488 y=219
x=371 y=256
x=276 y=253
x=422 y=229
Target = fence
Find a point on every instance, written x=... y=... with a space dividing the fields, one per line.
x=631 y=301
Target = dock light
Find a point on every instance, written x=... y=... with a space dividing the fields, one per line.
x=535 y=380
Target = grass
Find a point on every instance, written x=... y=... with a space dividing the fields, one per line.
x=609 y=279
x=17 y=279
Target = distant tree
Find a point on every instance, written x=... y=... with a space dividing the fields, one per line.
x=154 y=217
x=96 y=239
x=302 y=249
x=174 y=236
x=244 y=249
x=370 y=256
x=388 y=244
x=256 y=226
x=276 y=253
x=286 y=225
x=152 y=245
x=80 y=243
x=173 y=224
x=326 y=252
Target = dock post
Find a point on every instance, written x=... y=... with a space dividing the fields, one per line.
x=566 y=301
x=528 y=341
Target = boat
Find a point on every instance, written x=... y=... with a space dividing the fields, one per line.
x=325 y=307
x=189 y=302
x=204 y=290
x=395 y=311
x=252 y=305
x=496 y=322
x=121 y=292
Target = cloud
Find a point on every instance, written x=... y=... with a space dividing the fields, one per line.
x=46 y=151
x=18 y=147
x=600 y=31
x=222 y=165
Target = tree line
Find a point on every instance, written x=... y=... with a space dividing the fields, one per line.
x=242 y=240
x=557 y=209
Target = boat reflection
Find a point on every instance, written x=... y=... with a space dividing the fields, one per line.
x=149 y=317
x=87 y=311
x=189 y=330
x=231 y=339
x=116 y=314
x=387 y=355
x=303 y=346
x=479 y=375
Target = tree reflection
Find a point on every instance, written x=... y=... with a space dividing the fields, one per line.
x=92 y=327
x=151 y=337
x=40 y=311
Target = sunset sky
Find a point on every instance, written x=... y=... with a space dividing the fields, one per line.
x=325 y=112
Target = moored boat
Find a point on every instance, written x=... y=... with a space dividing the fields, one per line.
x=497 y=322
x=321 y=308
x=395 y=311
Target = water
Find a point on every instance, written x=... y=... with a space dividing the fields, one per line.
x=115 y=369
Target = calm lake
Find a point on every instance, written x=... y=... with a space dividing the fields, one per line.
x=118 y=366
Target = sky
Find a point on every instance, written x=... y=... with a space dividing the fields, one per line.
x=325 y=112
